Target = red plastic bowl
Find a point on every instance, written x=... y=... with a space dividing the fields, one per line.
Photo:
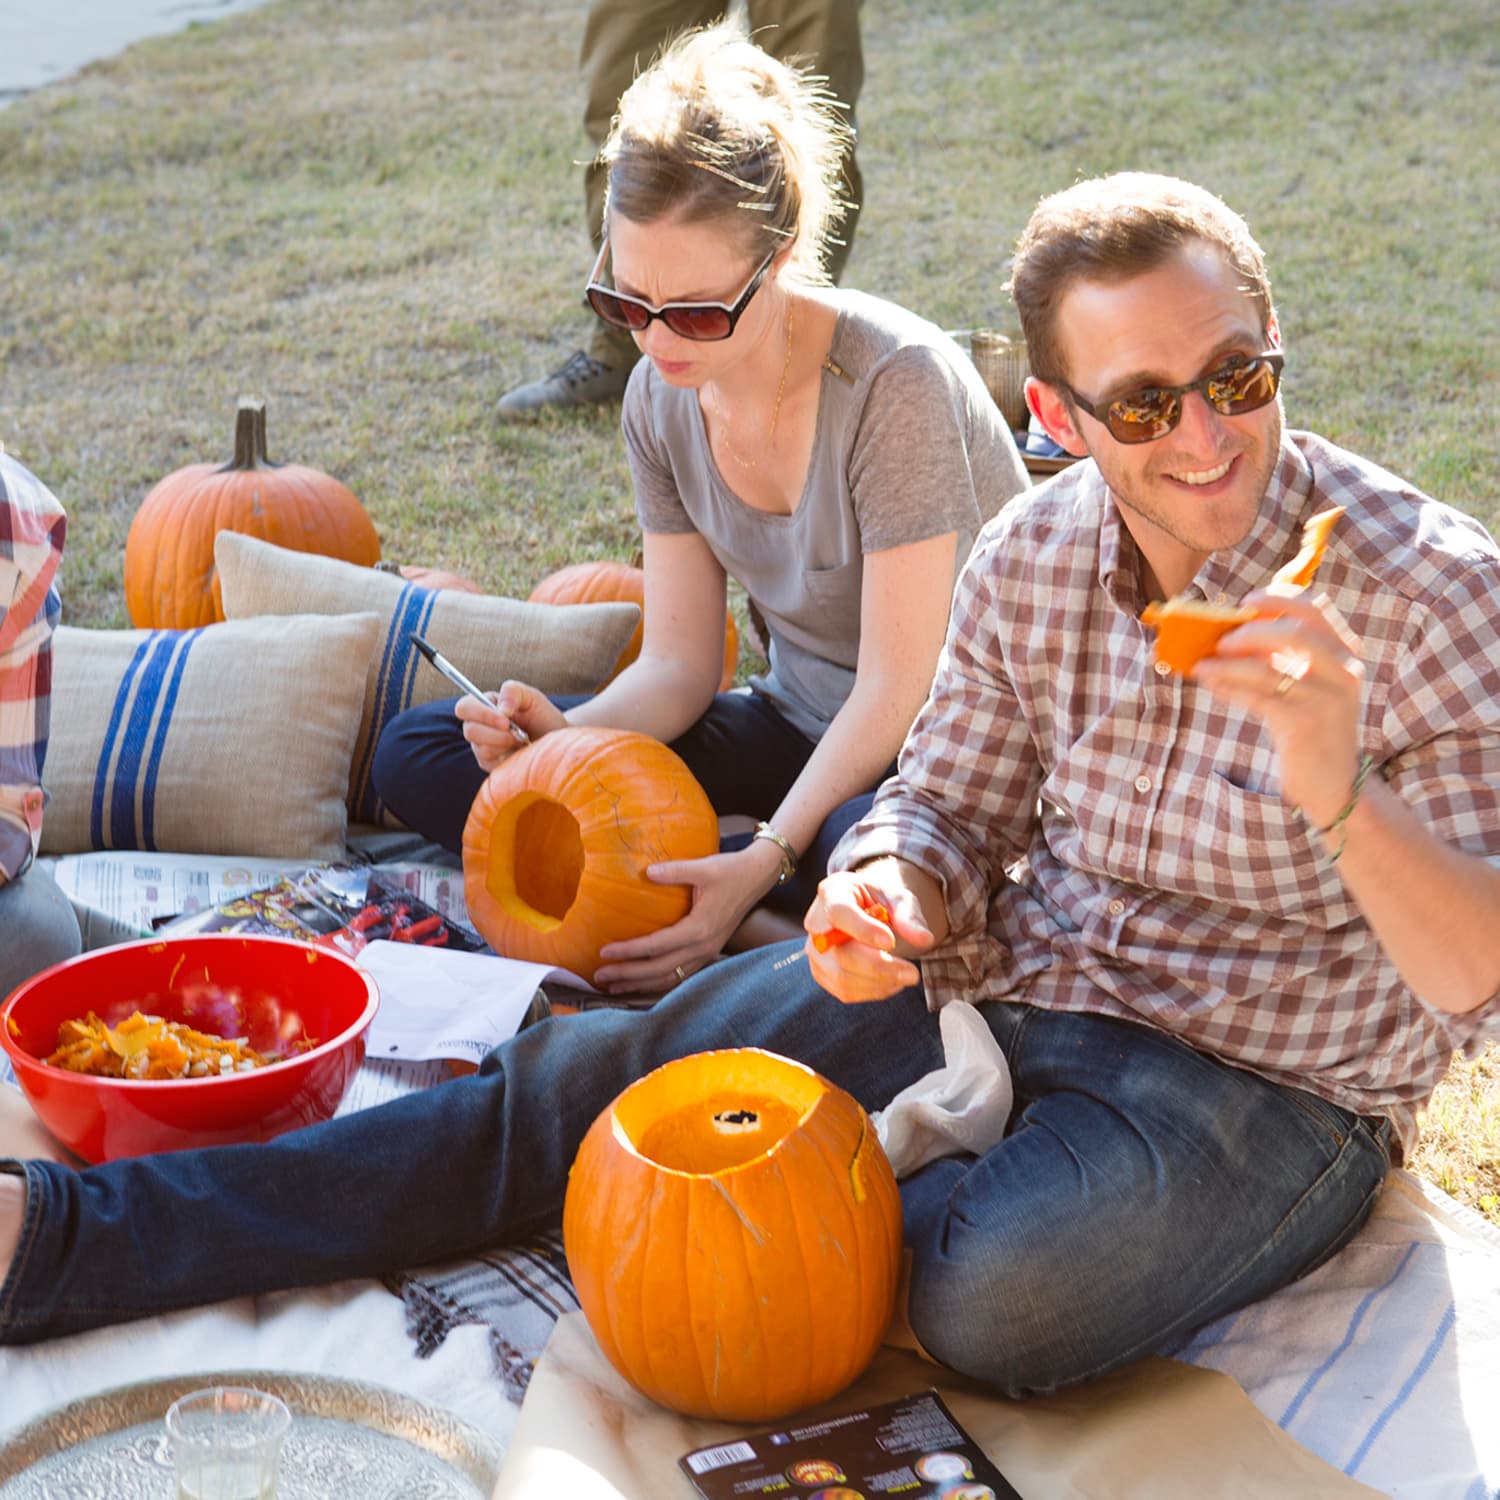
x=272 y=991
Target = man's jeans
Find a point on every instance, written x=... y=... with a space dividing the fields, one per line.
x=1143 y=1190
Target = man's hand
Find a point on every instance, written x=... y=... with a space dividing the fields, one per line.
x=1301 y=672
x=873 y=964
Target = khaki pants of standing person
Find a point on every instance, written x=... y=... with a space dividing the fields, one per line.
x=621 y=37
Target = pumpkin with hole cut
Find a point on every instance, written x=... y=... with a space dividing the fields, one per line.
x=733 y=1231
x=171 y=582
x=603 y=582
x=558 y=839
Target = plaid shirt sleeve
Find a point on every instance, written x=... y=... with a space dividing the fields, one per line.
x=968 y=767
x=32 y=526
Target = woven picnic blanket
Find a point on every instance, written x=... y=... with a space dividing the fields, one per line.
x=517 y=1293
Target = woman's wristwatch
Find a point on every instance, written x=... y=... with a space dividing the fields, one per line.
x=788 y=854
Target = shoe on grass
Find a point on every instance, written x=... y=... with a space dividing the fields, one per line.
x=582 y=381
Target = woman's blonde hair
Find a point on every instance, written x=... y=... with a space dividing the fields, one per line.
x=716 y=129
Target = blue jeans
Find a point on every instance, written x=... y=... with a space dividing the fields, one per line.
x=743 y=751
x=1143 y=1190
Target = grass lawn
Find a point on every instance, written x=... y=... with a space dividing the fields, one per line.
x=371 y=216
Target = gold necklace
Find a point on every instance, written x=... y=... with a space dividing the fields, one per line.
x=729 y=448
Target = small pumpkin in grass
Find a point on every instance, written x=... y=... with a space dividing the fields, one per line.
x=602 y=582
x=558 y=839
x=170 y=579
x=733 y=1231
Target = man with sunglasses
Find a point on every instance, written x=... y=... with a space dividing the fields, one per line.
x=1228 y=928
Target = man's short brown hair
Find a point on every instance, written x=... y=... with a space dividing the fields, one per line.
x=1110 y=229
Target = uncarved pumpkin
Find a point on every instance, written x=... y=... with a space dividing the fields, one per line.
x=170 y=579
x=558 y=839
x=733 y=1231
x=603 y=582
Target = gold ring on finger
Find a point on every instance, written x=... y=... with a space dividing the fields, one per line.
x=1285 y=683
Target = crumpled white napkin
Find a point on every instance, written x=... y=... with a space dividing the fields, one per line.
x=962 y=1106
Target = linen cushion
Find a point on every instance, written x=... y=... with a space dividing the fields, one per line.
x=233 y=738
x=556 y=648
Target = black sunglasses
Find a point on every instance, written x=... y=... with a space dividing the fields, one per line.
x=1142 y=416
x=704 y=321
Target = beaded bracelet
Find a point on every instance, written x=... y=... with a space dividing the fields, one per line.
x=1366 y=765
x=788 y=854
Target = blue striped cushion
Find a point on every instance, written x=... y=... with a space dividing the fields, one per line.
x=230 y=739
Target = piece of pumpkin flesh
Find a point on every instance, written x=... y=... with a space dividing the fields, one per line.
x=1296 y=574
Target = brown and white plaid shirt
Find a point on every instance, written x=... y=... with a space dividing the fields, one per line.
x=1111 y=839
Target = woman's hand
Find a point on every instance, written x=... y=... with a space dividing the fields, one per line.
x=724 y=887
x=867 y=966
x=488 y=728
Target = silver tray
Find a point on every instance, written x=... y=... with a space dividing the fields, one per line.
x=347 y=1439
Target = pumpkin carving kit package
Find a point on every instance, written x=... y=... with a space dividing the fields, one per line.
x=911 y=1447
x=336 y=906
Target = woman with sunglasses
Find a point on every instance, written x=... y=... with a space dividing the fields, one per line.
x=833 y=453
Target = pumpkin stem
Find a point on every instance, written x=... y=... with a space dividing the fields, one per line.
x=249 y=437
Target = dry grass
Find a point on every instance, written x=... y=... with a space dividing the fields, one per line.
x=372 y=216
x=1460 y=1146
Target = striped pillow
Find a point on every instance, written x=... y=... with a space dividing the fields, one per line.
x=229 y=739
x=556 y=648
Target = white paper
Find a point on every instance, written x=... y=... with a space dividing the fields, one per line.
x=380 y=1082
x=437 y=1003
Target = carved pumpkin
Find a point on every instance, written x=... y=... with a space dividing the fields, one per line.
x=558 y=839
x=170 y=579
x=601 y=582
x=733 y=1230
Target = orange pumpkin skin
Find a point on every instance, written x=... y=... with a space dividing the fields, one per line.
x=738 y=1275
x=170 y=579
x=603 y=582
x=558 y=839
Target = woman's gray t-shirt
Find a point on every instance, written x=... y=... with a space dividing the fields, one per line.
x=908 y=445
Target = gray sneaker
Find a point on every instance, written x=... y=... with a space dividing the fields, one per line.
x=580 y=382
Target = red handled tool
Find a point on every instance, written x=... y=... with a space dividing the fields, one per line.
x=835 y=936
